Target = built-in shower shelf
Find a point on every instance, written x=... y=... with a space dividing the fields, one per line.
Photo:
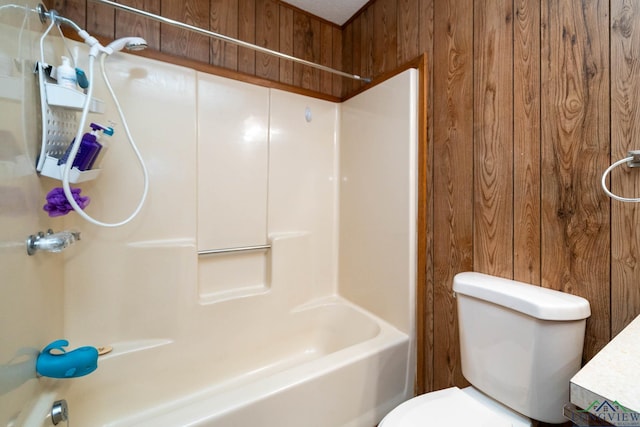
x=60 y=96
x=52 y=169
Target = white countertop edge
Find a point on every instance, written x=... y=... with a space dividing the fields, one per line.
x=613 y=374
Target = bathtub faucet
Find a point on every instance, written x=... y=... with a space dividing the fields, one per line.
x=51 y=242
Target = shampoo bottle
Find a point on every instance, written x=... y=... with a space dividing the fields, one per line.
x=105 y=131
x=66 y=75
x=88 y=150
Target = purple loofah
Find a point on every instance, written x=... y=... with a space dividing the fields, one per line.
x=58 y=205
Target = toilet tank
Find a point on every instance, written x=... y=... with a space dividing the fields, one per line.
x=519 y=343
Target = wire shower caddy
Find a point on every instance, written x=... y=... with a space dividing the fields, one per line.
x=59 y=110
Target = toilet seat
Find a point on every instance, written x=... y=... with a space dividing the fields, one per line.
x=453 y=407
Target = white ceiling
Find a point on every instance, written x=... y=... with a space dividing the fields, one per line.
x=336 y=11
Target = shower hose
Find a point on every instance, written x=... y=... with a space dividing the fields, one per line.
x=76 y=146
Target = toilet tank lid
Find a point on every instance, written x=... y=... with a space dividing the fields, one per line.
x=535 y=301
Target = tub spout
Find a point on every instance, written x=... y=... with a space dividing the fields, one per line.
x=51 y=242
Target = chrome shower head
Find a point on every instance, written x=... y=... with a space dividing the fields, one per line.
x=134 y=45
x=131 y=43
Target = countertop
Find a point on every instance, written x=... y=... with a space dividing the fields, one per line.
x=609 y=385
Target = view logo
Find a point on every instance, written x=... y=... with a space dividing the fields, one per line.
x=613 y=413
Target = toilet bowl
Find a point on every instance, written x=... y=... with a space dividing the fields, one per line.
x=519 y=347
x=454 y=407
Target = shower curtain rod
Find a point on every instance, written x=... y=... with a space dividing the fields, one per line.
x=228 y=39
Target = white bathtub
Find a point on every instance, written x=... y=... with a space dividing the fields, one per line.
x=328 y=364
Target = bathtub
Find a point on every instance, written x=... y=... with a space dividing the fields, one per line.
x=326 y=364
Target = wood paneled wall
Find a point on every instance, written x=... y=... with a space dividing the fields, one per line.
x=529 y=101
x=268 y=23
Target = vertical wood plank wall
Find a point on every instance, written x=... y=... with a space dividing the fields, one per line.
x=529 y=101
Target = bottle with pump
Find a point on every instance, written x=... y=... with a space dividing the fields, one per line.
x=66 y=75
x=89 y=148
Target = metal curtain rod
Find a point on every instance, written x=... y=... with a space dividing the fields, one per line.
x=228 y=39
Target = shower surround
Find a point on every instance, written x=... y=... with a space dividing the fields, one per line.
x=317 y=329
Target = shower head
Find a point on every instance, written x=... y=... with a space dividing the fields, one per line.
x=131 y=43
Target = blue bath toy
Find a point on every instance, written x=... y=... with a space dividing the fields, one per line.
x=76 y=363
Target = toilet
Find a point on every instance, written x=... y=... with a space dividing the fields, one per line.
x=519 y=345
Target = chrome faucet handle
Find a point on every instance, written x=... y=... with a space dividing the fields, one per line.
x=51 y=242
x=56 y=242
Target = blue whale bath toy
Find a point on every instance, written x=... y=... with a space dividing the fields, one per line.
x=76 y=363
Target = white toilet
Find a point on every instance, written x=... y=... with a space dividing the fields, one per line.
x=520 y=345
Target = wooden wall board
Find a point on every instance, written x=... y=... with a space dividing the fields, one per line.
x=408 y=30
x=247 y=33
x=267 y=35
x=336 y=61
x=179 y=42
x=127 y=24
x=575 y=244
x=493 y=139
x=306 y=45
x=452 y=168
x=100 y=19
x=224 y=20
x=286 y=44
x=526 y=142
x=425 y=288
x=384 y=51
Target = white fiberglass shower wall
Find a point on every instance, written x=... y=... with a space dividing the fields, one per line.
x=317 y=328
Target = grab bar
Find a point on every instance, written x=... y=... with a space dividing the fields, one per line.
x=230 y=250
